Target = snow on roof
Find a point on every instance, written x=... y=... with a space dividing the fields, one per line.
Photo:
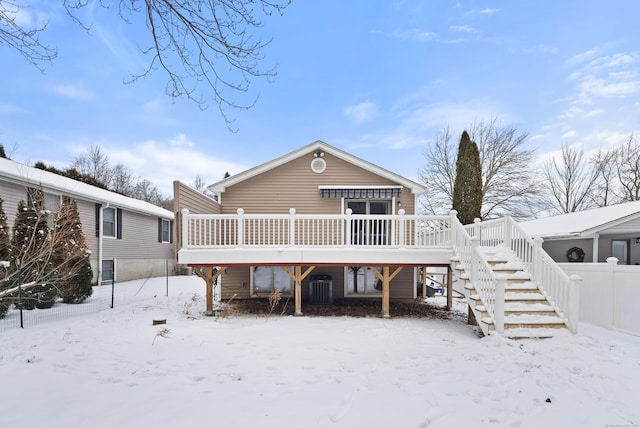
x=21 y=174
x=221 y=186
x=582 y=223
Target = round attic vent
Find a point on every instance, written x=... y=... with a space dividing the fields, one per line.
x=318 y=165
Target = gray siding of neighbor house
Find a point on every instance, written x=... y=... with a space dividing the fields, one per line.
x=295 y=185
x=557 y=249
x=139 y=239
x=11 y=194
x=138 y=254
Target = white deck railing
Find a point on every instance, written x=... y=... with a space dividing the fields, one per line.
x=560 y=290
x=314 y=230
x=241 y=230
x=489 y=286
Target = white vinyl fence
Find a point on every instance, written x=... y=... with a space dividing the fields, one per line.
x=609 y=294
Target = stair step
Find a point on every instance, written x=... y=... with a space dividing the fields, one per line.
x=524 y=287
x=503 y=265
x=535 y=333
x=533 y=319
x=514 y=296
x=530 y=307
x=528 y=321
x=519 y=276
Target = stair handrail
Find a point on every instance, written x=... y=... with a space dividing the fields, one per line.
x=556 y=286
x=486 y=283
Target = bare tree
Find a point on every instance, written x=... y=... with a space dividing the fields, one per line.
x=122 y=180
x=440 y=173
x=201 y=186
x=570 y=180
x=606 y=190
x=95 y=164
x=210 y=50
x=507 y=184
x=146 y=191
x=628 y=169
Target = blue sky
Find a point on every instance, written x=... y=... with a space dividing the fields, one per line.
x=377 y=79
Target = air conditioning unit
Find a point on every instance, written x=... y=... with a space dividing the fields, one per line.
x=320 y=290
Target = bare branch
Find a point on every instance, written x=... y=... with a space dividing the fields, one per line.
x=214 y=43
x=570 y=181
x=628 y=169
x=24 y=40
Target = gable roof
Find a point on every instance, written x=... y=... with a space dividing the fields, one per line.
x=220 y=186
x=17 y=173
x=584 y=224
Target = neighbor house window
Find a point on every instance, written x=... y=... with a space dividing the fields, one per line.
x=362 y=280
x=109 y=222
x=267 y=279
x=165 y=231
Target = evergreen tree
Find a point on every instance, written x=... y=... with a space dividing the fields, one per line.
x=72 y=256
x=5 y=253
x=32 y=248
x=467 y=188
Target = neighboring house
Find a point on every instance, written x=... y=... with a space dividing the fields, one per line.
x=315 y=179
x=612 y=231
x=136 y=234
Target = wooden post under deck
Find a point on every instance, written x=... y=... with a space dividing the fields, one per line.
x=297 y=275
x=209 y=277
x=386 y=278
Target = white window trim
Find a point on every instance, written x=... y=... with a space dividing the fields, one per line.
x=115 y=223
x=168 y=223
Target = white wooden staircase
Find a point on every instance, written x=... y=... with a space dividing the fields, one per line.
x=527 y=312
x=511 y=285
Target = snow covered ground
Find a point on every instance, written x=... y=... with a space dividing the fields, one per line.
x=115 y=369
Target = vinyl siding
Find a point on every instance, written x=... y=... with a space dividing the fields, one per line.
x=295 y=185
x=557 y=249
x=11 y=194
x=196 y=202
x=236 y=283
x=140 y=232
x=139 y=239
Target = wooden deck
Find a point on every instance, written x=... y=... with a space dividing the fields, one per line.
x=299 y=239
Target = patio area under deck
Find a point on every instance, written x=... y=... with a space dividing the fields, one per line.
x=215 y=242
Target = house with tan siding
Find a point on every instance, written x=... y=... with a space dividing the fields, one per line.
x=127 y=236
x=317 y=179
x=319 y=225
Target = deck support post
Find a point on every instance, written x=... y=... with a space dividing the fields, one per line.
x=297 y=275
x=386 y=278
x=209 y=276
